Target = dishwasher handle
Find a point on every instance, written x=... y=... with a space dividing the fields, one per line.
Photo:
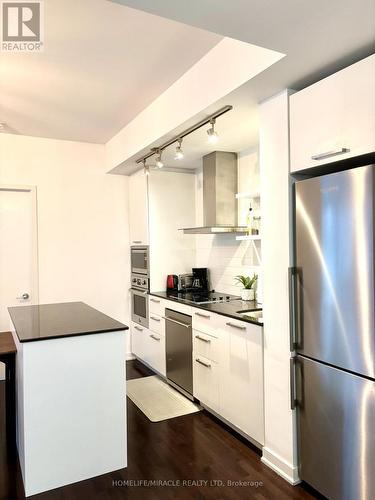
x=177 y=322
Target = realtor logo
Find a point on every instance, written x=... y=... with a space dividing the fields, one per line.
x=22 y=26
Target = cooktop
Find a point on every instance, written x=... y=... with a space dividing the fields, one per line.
x=204 y=297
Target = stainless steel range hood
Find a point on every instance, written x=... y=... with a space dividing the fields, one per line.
x=220 y=213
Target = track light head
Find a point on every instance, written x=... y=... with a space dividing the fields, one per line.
x=212 y=134
x=146 y=168
x=179 y=153
x=159 y=162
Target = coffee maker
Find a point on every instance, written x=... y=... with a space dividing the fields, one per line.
x=200 y=279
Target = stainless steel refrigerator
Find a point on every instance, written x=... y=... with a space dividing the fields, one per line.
x=333 y=373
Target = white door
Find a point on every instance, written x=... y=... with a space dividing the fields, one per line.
x=18 y=251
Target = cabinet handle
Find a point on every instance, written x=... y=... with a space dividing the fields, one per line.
x=236 y=326
x=155 y=300
x=155 y=319
x=138 y=328
x=137 y=242
x=203 y=315
x=177 y=322
x=202 y=338
x=328 y=154
x=207 y=365
x=155 y=338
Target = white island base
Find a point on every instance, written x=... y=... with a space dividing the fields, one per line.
x=71 y=409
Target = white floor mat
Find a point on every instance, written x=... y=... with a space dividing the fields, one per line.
x=158 y=400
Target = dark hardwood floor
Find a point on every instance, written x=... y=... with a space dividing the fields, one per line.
x=192 y=448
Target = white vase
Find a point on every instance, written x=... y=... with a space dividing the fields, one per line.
x=247 y=294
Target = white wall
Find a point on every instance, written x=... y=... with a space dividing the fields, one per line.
x=222 y=254
x=279 y=450
x=82 y=220
x=171 y=207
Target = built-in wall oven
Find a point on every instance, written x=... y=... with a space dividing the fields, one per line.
x=139 y=306
x=139 y=258
x=139 y=284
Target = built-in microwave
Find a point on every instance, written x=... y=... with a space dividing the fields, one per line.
x=139 y=259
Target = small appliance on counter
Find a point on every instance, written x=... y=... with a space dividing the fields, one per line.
x=185 y=282
x=172 y=283
x=194 y=288
x=197 y=280
x=200 y=279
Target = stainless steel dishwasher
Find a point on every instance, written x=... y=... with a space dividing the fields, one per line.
x=179 y=348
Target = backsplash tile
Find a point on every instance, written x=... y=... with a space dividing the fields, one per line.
x=226 y=258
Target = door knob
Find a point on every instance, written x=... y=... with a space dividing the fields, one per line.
x=24 y=296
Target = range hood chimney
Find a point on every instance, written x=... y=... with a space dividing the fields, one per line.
x=220 y=214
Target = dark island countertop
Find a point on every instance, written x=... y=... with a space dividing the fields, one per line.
x=66 y=319
x=230 y=309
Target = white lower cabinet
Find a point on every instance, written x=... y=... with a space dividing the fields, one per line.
x=228 y=372
x=148 y=344
x=156 y=324
x=206 y=381
x=241 y=385
x=155 y=351
x=206 y=345
x=227 y=363
x=156 y=306
x=138 y=336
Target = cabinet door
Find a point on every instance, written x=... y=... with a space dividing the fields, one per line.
x=241 y=387
x=206 y=381
x=155 y=352
x=334 y=115
x=204 y=321
x=157 y=305
x=157 y=324
x=138 y=209
x=138 y=340
x=207 y=345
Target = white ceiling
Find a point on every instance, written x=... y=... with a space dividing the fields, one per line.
x=318 y=37
x=103 y=63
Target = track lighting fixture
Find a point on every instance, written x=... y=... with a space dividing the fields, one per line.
x=212 y=134
x=159 y=162
x=179 y=153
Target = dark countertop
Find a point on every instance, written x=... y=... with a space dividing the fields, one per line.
x=229 y=309
x=53 y=321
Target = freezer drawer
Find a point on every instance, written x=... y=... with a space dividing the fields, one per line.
x=334 y=279
x=336 y=424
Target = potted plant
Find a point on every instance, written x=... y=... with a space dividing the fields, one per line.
x=248 y=291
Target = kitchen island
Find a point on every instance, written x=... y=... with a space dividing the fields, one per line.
x=71 y=394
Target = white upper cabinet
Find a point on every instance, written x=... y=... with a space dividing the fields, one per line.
x=334 y=119
x=138 y=209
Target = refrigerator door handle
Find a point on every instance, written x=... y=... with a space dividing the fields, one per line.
x=293 y=275
x=293 y=389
